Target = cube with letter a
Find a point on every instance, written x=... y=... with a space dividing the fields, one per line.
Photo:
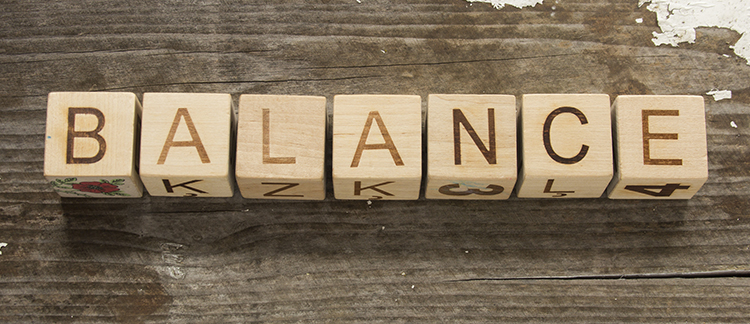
x=281 y=147
x=377 y=146
x=661 y=147
x=471 y=146
x=90 y=146
x=186 y=144
x=566 y=146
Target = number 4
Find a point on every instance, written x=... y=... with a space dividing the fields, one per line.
x=666 y=190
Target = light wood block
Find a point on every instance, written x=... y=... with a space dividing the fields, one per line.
x=281 y=147
x=566 y=146
x=185 y=144
x=471 y=146
x=90 y=144
x=660 y=147
x=377 y=146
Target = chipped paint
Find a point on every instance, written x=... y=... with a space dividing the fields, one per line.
x=2 y=245
x=679 y=18
x=720 y=94
x=498 y=4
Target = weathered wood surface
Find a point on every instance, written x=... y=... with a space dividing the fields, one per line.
x=232 y=260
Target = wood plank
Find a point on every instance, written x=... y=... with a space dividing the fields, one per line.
x=160 y=259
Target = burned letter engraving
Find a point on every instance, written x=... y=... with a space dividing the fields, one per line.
x=389 y=145
x=267 y=159
x=195 y=142
x=548 y=189
x=489 y=154
x=72 y=134
x=546 y=136
x=284 y=185
x=648 y=136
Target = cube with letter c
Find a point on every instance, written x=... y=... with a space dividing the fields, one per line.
x=186 y=144
x=661 y=147
x=566 y=146
x=90 y=146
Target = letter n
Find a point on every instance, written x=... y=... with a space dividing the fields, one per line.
x=459 y=119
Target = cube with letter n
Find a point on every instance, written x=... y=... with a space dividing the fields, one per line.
x=90 y=145
x=186 y=144
x=661 y=147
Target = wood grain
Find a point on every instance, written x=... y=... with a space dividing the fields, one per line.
x=203 y=260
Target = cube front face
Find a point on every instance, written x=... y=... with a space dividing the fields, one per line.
x=661 y=147
x=471 y=146
x=186 y=143
x=90 y=144
x=566 y=146
x=377 y=147
x=281 y=147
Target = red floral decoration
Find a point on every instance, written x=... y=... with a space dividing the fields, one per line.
x=95 y=187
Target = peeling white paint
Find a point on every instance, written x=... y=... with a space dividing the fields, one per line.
x=499 y=4
x=2 y=245
x=720 y=94
x=679 y=18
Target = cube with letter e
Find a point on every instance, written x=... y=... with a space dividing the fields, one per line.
x=90 y=146
x=660 y=147
x=186 y=144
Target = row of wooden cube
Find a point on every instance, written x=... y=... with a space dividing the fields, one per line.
x=564 y=148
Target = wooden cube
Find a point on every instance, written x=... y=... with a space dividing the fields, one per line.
x=660 y=147
x=566 y=146
x=90 y=146
x=281 y=147
x=377 y=146
x=471 y=146
x=185 y=144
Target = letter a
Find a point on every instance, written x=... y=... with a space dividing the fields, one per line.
x=387 y=137
x=196 y=140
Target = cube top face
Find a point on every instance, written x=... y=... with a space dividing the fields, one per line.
x=78 y=115
x=377 y=137
x=281 y=145
x=566 y=145
x=471 y=146
x=661 y=147
x=186 y=144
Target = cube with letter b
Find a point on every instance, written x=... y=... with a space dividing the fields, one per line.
x=90 y=146
x=186 y=144
x=566 y=146
x=281 y=147
x=377 y=147
x=661 y=147
x=471 y=146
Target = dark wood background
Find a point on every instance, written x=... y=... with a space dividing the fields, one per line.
x=233 y=260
